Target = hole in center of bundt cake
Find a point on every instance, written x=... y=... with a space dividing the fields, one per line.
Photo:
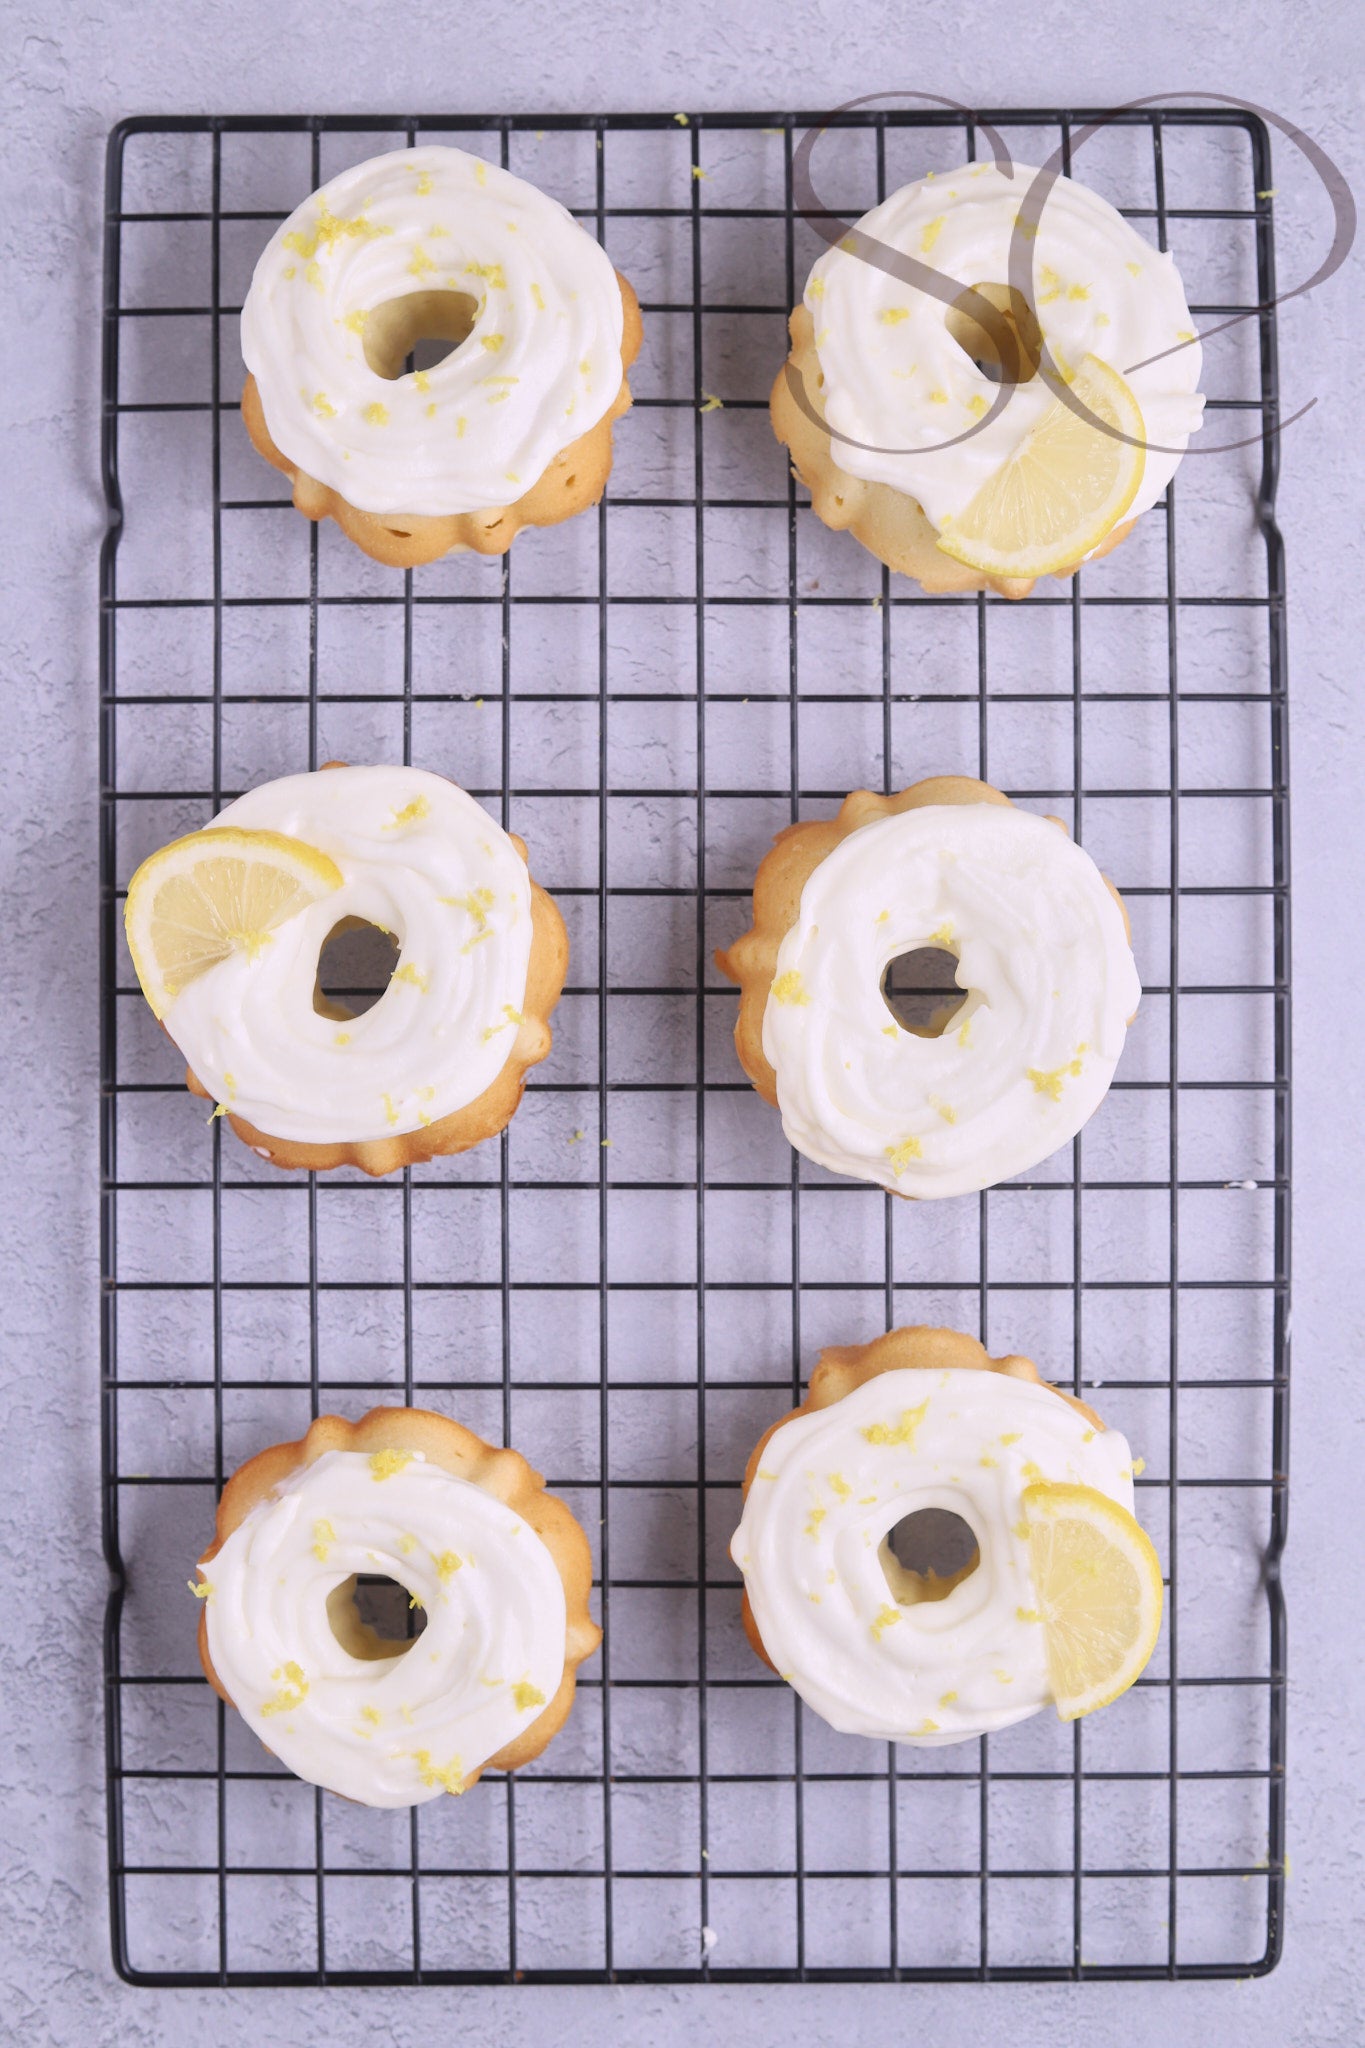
x=1006 y=345
x=354 y=969
x=424 y=326
x=372 y=1616
x=920 y=991
x=927 y=1554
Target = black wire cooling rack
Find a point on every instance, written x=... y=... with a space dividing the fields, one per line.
x=636 y=1278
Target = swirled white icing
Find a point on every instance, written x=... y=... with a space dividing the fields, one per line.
x=831 y=1486
x=420 y=859
x=541 y=365
x=1051 y=982
x=390 y=1731
x=894 y=377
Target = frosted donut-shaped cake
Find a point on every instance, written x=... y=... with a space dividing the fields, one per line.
x=1041 y=942
x=900 y=375
x=499 y=1568
x=512 y=428
x=439 y=1063
x=920 y=1419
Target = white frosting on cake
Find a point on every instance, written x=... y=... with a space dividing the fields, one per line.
x=541 y=365
x=896 y=380
x=831 y=1486
x=1042 y=952
x=422 y=860
x=399 y=1730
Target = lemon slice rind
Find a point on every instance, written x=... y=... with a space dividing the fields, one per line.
x=1097 y=1581
x=213 y=893
x=1021 y=523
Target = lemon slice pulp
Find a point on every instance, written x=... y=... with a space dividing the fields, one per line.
x=1067 y=484
x=213 y=894
x=1098 y=1584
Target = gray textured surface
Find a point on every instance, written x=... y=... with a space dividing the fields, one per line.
x=74 y=76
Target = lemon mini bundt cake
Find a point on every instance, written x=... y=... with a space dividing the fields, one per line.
x=1042 y=950
x=512 y=428
x=227 y=928
x=498 y=1567
x=1058 y=1599
x=991 y=377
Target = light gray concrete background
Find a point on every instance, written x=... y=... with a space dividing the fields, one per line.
x=69 y=72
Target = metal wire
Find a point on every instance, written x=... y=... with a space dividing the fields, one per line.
x=819 y=1903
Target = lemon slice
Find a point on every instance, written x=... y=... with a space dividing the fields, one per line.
x=1065 y=487
x=216 y=893
x=1098 y=1584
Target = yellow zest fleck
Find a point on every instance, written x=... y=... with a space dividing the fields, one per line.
x=323 y=1534
x=1050 y=1084
x=525 y=1696
x=901 y=1155
x=883 y=916
x=421 y=380
x=1101 y=319
x=763 y=1473
x=1088 y=1436
x=493 y=342
x=415 y=1601
x=988 y=1462
x=887 y=1618
x=1186 y=334
x=890 y=1031
x=511 y=476
x=412 y=975
x=406 y=1712
x=1079 y=291
x=1004 y=1678
x=383 y=1464
x=409 y=815
x=511 y=1016
x=431 y=410
x=927 y=1727
x=943 y=936
x=390 y=1113
x=937 y=397
x=460 y=424
x=291 y=272
x=492 y=271
x=790 y=989
x=710 y=403
x=976 y=404
x=1020 y=1529
x=423 y=183
x=697 y=171
x=902 y=1432
x=448 y=1776
x=817 y=1516
x=893 y=316
x=323 y=407
x=931 y=235
x=407 y=1544
x=477 y=940
x=200 y=1588
x=372 y=1715
x=816 y=288
x=1027 y=1614
x=964 y=1035
x=313 y=275
x=477 y=903
x=1135 y=268
x=1138 y=1465
x=447 y=1564
x=356 y=321
x=945 y=1109
x=419 y=262
x=1031 y=1471
x=681 y=120
x=292 y=1691
x=946 y=1699
x=539 y=298
x=377 y=414
x=1011 y=1436
x=329 y=229
x=840 y=1485
x=480 y=172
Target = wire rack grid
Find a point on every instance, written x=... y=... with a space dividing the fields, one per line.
x=635 y=1279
